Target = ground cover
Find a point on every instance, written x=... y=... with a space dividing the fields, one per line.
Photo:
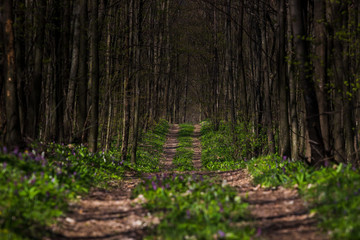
x=332 y=192
x=194 y=207
x=184 y=152
x=37 y=184
x=218 y=151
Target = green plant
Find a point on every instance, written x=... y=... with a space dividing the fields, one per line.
x=195 y=207
x=218 y=151
x=184 y=153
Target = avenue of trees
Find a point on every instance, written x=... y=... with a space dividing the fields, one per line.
x=100 y=72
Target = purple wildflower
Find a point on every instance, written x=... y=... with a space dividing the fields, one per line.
x=326 y=163
x=221 y=207
x=5 y=150
x=42 y=174
x=188 y=214
x=168 y=186
x=258 y=232
x=154 y=185
x=74 y=173
x=221 y=234
x=353 y=168
x=181 y=178
x=284 y=158
x=269 y=166
x=245 y=159
x=4 y=165
x=16 y=151
x=276 y=165
x=32 y=182
x=283 y=168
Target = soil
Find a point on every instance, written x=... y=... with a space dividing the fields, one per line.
x=277 y=213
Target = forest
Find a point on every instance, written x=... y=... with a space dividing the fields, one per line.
x=179 y=119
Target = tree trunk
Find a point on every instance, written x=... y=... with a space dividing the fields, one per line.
x=94 y=46
x=35 y=86
x=13 y=134
x=70 y=99
x=298 y=10
x=321 y=66
x=136 y=96
x=284 y=129
x=83 y=73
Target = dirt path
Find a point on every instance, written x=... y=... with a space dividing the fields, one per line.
x=111 y=214
x=197 y=147
x=106 y=215
x=278 y=213
x=170 y=148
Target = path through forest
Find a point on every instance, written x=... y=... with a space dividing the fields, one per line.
x=278 y=213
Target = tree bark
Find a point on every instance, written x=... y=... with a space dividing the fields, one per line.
x=298 y=10
x=284 y=129
x=13 y=134
x=83 y=73
x=94 y=46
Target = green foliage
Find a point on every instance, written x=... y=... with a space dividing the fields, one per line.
x=151 y=148
x=195 y=207
x=333 y=193
x=273 y=170
x=36 y=185
x=184 y=153
x=218 y=152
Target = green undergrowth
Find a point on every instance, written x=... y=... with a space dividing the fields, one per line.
x=193 y=207
x=218 y=151
x=151 y=148
x=35 y=185
x=333 y=193
x=184 y=152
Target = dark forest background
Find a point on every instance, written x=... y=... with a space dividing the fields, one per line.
x=101 y=72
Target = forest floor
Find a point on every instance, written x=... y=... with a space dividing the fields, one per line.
x=278 y=213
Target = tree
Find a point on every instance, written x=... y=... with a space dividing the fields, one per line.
x=13 y=133
x=298 y=10
x=94 y=46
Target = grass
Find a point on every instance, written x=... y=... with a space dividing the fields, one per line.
x=36 y=184
x=218 y=152
x=332 y=191
x=194 y=207
x=184 y=152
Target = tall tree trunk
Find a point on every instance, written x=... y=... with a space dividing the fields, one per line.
x=321 y=66
x=20 y=59
x=70 y=98
x=35 y=85
x=335 y=10
x=229 y=69
x=83 y=72
x=284 y=129
x=298 y=10
x=94 y=46
x=136 y=96
x=13 y=134
x=127 y=85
